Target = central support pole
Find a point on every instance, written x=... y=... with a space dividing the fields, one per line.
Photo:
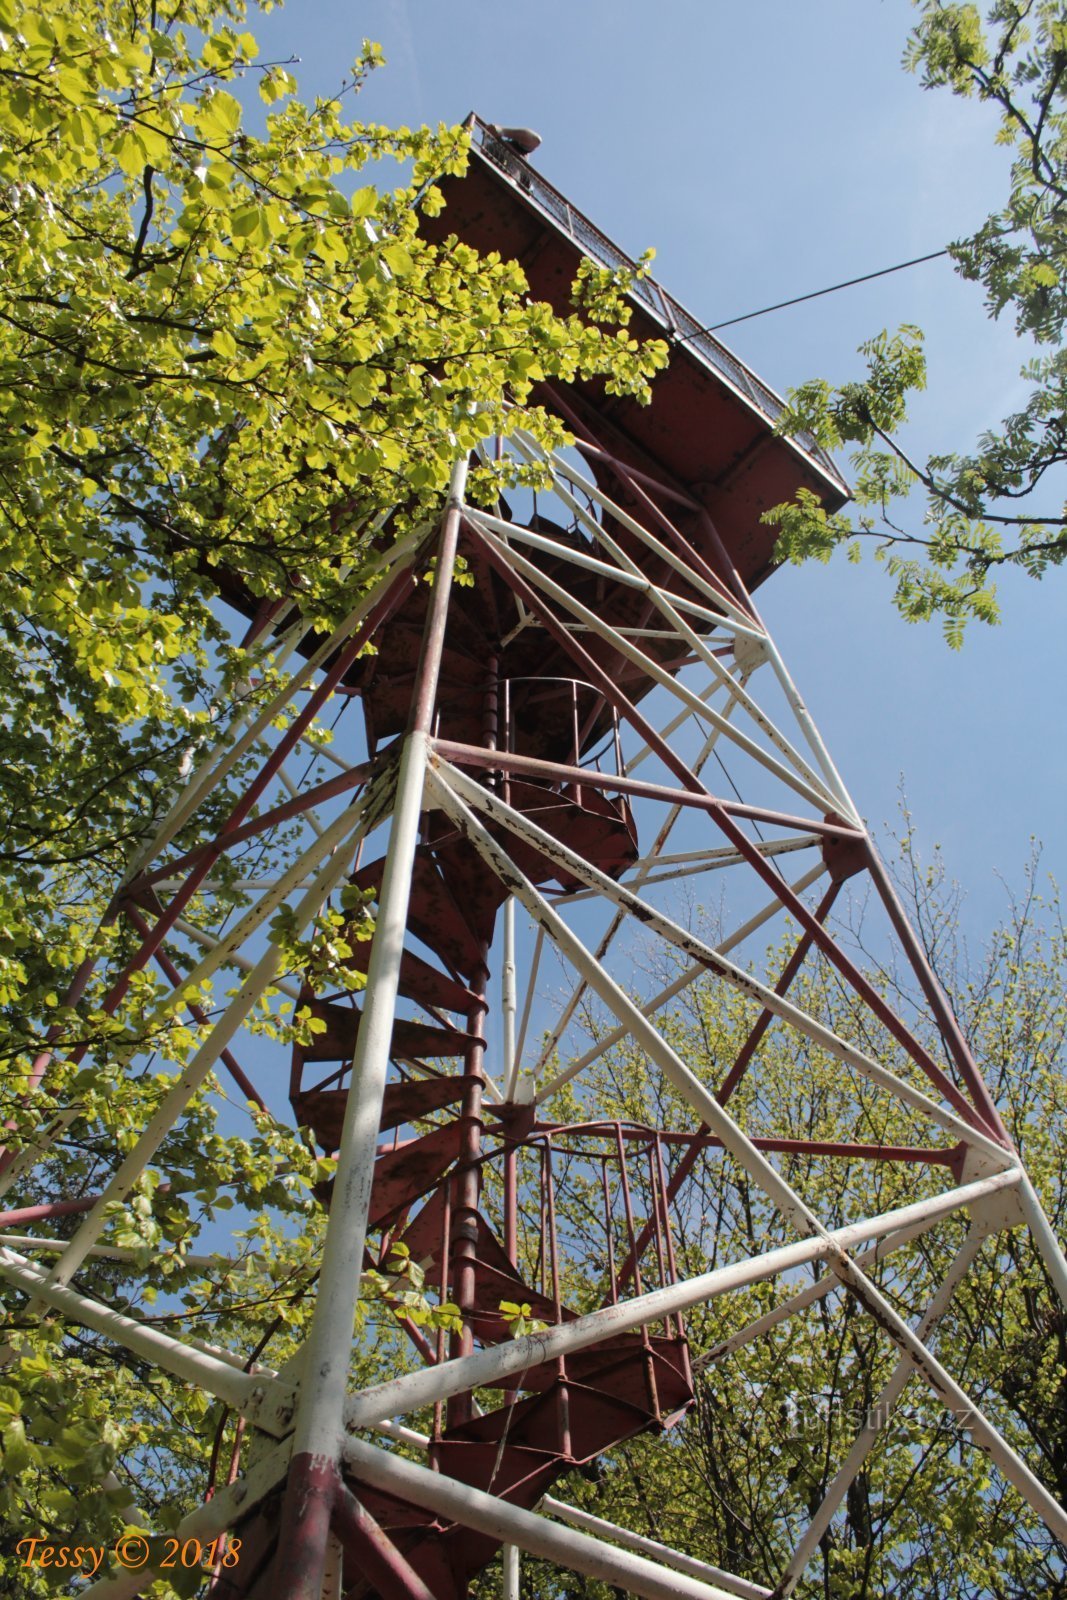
x=468 y=1180
x=315 y=1486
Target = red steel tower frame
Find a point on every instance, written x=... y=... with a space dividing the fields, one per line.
x=530 y=741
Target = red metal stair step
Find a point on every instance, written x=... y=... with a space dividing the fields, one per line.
x=404 y=1174
x=418 y=980
x=433 y=915
x=618 y=1365
x=410 y=1040
x=323 y=1110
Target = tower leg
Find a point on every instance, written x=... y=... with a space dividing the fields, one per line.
x=314 y=1486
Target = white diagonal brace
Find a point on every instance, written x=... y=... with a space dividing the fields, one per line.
x=675 y=723
x=327 y=1352
x=236 y=1500
x=361 y=814
x=666 y=828
x=877 y=1416
x=805 y=1297
x=740 y=621
x=382 y=566
x=669 y=606
x=816 y=797
x=1046 y=1241
x=629 y=576
x=683 y=980
x=781 y=1194
x=499 y=1519
x=22 y=1242
x=982 y=1431
x=189 y=1081
x=489 y=1367
x=610 y=1531
x=706 y=861
x=811 y=733
x=457 y=789
x=644 y=1033
x=232 y=958
x=531 y=982
x=770 y=729
x=662 y=1553
x=266 y=1402
x=800 y=711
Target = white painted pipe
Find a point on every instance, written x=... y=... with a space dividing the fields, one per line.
x=391 y=562
x=242 y=1390
x=675 y=723
x=106 y=1252
x=740 y=621
x=662 y=1553
x=531 y=985
x=398 y=1396
x=329 y=1343
x=714 y=861
x=563 y=1020
x=330 y=1340
x=224 y=947
x=1044 y=1238
x=457 y=788
x=191 y=1078
x=509 y=1000
x=511 y=1525
x=607 y=1530
x=684 y=979
x=811 y=733
x=878 y=1415
x=280 y=649
x=658 y=674
x=205 y=1523
x=628 y=576
x=511 y=1587
x=326 y=753
x=669 y=605
x=645 y=1035
x=770 y=729
x=216 y=957
x=741 y=1147
x=806 y=1297
x=722 y=856
x=967 y=1414
x=207 y=941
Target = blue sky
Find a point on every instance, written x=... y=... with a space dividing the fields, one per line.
x=767 y=149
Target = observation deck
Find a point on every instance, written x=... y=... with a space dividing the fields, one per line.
x=710 y=427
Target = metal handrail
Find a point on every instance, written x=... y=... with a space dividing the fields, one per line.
x=676 y=321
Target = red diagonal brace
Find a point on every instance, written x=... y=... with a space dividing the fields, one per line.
x=765 y=1018
x=849 y=971
x=392 y=1576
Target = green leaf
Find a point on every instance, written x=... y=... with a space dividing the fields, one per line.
x=245 y=222
x=223 y=341
x=398 y=259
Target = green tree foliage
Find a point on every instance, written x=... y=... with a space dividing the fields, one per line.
x=223 y=354
x=945 y=526
x=218 y=350
x=928 y=1518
